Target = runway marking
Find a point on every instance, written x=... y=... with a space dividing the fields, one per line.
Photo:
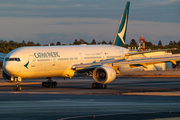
x=76 y=93
x=75 y=117
x=177 y=93
x=23 y=83
x=35 y=83
x=169 y=118
x=16 y=92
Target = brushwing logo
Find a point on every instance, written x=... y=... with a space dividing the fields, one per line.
x=121 y=34
x=26 y=65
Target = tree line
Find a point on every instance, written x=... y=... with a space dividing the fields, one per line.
x=6 y=47
x=149 y=45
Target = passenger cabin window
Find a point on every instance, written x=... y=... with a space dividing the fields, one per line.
x=13 y=59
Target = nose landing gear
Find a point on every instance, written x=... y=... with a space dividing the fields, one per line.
x=17 y=80
x=17 y=87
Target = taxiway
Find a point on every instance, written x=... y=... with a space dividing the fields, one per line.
x=125 y=98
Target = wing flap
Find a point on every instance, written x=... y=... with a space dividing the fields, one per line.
x=151 y=60
x=151 y=51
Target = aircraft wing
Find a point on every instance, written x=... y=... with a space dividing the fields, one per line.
x=148 y=61
x=2 y=56
x=132 y=63
x=151 y=51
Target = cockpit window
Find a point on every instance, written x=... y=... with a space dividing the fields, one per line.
x=12 y=59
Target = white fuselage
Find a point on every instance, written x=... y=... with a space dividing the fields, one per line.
x=56 y=61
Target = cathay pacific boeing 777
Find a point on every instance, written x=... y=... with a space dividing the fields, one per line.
x=102 y=61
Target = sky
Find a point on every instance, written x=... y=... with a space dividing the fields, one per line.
x=47 y=21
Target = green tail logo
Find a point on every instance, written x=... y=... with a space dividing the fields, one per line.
x=120 y=36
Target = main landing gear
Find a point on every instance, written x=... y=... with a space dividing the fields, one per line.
x=17 y=87
x=49 y=83
x=98 y=85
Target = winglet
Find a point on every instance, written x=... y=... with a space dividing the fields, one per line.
x=120 y=35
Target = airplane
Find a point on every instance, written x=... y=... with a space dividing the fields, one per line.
x=100 y=61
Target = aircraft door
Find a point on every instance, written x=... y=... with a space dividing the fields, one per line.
x=32 y=61
x=80 y=58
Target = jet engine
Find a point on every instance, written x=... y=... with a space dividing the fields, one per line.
x=6 y=77
x=104 y=74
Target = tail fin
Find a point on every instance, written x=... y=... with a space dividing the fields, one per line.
x=120 y=36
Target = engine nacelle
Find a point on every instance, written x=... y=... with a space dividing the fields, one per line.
x=104 y=74
x=6 y=77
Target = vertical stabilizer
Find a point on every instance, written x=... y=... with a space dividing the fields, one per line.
x=120 y=36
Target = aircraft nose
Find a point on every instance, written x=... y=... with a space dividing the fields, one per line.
x=7 y=67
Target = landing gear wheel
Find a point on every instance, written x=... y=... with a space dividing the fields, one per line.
x=93 y=85
x=54 y=84
x=49 y=84
x=103 y=86
x=98 y=85
x=17 y=88
x=43 y=84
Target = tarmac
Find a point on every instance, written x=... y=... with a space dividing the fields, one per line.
x=125 y=98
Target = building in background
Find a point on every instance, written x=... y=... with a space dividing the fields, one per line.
x=141 y=48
